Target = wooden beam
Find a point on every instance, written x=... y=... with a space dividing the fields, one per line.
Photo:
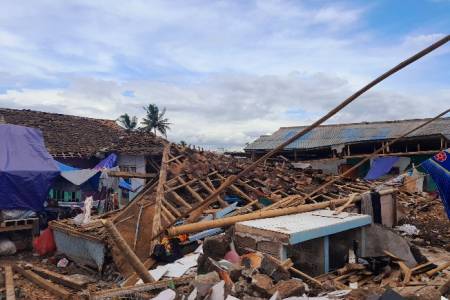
x=191 y=190
x=43 y=283
x=211 y=190
x=180 y=200
x=296 y=271
x=138 y=226
x=174 y=211
x=180 y=186
x=162 y=284
x=160 y=193
x=131 y=281
x=175 y=158
x=130 y=174
x=9 y=283
x=238 y=190
x=127 y=253
x=60 y=278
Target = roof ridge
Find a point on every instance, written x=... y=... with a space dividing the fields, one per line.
x=365 y=123
x=51 y=113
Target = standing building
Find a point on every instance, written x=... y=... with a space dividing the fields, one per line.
x=338 y=147
x=81 y=143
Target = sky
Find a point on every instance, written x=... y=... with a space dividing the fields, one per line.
x=226 y=71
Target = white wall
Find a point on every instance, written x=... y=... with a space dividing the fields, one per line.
x=138 y=162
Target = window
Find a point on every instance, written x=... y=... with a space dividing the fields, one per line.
x=128 y=168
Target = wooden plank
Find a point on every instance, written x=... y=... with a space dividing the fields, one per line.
x=167 y=214
x=43 y=283
x=123 y=291
x=180 y=200
x=16 y=228
x=211 y=190
x=237 y=190
x=160 y=192
x=296 y=271
x=191 y=190
x=60 y=278
x=131 y=281
x=9 y=283
x=174 y=211
x=180 y=185
x=127 y=253
x=131 y=174
x=175 y=158
x=138 y=226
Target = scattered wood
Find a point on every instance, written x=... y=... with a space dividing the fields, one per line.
x=296 y=271
x=60 y=279
x=438 y=269
x=43 y=283
x=9 y=283
x=117 y=292
x=127 y=253
x=131 y=174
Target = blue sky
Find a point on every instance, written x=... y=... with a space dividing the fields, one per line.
x=227 y=71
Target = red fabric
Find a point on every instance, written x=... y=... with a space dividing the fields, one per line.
x=45 y=243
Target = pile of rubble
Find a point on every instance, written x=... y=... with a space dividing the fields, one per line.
x=118 y=248
x=427 y=214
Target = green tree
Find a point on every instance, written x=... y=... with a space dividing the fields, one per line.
x=154 y=120
x=127 y=122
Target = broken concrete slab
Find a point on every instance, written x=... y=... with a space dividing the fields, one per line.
x=377 y=239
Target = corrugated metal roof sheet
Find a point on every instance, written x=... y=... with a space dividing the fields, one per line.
x=329 y=135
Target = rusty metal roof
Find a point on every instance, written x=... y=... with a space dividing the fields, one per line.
x=337 y=134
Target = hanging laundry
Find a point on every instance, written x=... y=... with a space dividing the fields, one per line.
x=439 y=168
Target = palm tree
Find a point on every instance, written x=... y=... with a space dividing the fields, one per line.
x=127 y=122
x=154 y=120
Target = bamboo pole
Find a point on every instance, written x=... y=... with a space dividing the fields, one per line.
x=231 y=179
x=127 y=253
x=200 y=226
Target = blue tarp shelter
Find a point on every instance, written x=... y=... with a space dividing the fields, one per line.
x=439 y=168
x=381 y=166
x=26 y=168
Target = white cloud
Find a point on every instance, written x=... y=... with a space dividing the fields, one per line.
x=227 y=71
x=223 y=111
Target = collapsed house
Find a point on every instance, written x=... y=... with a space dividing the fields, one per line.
x=277 y=231
x=315 y=241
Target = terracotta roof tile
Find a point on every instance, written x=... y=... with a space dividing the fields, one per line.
x=73 y=136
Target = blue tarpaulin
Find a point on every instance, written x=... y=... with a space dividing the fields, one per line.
x=107 y=163
x=439 y=168
x=26 y=168
x=381 y=166
x=63 y=167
